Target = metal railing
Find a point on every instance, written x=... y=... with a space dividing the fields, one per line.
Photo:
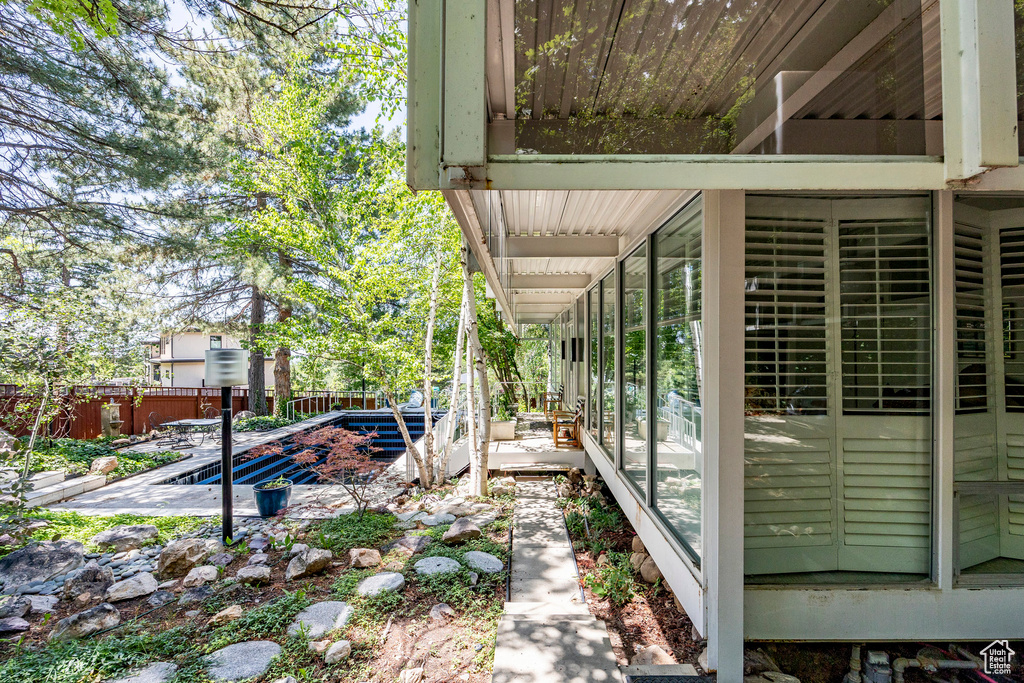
x=323 y=402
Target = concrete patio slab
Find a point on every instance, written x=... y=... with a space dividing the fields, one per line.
x=553 y=651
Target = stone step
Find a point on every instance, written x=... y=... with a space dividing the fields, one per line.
x=528 y=609
x=43 y=479
x=55 y=493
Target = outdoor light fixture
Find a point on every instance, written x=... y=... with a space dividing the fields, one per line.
x=226 y=368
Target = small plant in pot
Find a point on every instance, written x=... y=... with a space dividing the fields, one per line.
x=272 y=496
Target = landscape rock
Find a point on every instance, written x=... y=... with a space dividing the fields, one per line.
x=287 y=679
x=378 y=583
x=104 y=465
x=98 y=618
x=338 y=652
x=253 y=575
x=430 y=566
x=649 y=571
x=363 y=557
x=408 y=545
x=298 y=548
x=161 y=598
x=482 y=519
x=636 y=560
x=221 y=559
x=14 y=606
x=307 y=563
x=638 y=545
x=319 y=646
x=200 y=575
x=757 y=662
x=442 y=612
x=226 y=615
x=13 y=625
x=320 y=618
x=157 y=672
x=702 y=660
x=193 y=595
x=434 y=520
x=241 y=660
x=41 y=562
x=258 y=558
x=91 y=579
x=43 y=604
x=181 y=556
x=125 y=537
x=462 y=530
x=168 y=585
x=483 y=562
x=411 y=675
x=137 y=586
x=652 y=655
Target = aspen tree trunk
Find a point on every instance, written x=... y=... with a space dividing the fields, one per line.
x=453 y=408
x=428 y=365
x=471 y=418
x=426 y=480
x=257 y=371
x=477 y=474
x=283 y=355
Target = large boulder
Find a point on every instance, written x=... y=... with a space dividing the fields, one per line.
x=461 y=530
x=41 y=562
x=307 y=563
x=408 y=545
x=180 y=557
x=92 y=579
x=14 y=606
x=98 y=618
x=126 y=537
x=430 y=566
x=137 y=586
x=379 y=583
x=104 y=465
x=483 y=562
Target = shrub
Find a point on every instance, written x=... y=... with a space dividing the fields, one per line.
x=260 y=423
x=613 y=580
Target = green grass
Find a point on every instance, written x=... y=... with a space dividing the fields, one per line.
x=341 y=534
x=93 y=660
x=267 y=621
x=78 y=527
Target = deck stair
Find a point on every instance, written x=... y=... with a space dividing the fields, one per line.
x=52 y=487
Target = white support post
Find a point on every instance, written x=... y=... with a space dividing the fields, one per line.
x=424 y=91
x=979 y=101
x=723 y=294
x=464 y=144
x=944 y=371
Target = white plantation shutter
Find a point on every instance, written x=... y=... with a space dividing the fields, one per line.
x=838 y=447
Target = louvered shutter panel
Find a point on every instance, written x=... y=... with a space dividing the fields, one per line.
x=884 y=294
x=790 y=480
x=1011 y=257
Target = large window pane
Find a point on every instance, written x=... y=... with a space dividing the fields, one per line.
x=608 y=349
x=988 y=428
x=634 y=367
x=677 y=348
x=595 y=358
x=838 y=400
x=717 y=77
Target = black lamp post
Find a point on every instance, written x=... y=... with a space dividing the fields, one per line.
x=226 y=368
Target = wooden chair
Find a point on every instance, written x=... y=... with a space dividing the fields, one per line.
x=552 y=401
x=566 y=426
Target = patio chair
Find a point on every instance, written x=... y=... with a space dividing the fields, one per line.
x=213 y=433
x=566 y=426
x=164 y=436
x=552 y=400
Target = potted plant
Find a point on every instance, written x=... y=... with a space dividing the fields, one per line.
x=272 y=496
x=503 y=426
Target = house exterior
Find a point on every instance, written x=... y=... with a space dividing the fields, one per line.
x=178 y=359
x=784 y=246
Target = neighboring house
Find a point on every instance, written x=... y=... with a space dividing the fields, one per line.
x=178 y=359
x=793 y=232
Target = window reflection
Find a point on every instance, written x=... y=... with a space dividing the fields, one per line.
x=595 y=358
x=634 y=368
x=677 y=341
x=608 y=346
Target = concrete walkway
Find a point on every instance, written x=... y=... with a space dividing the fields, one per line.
x=547 y=634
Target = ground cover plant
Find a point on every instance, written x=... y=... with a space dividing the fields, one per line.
x=388 y=632
x=262 y=423
x=75 y=456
